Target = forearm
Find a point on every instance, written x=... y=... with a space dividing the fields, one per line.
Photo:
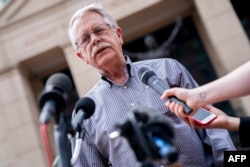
x=233 y=85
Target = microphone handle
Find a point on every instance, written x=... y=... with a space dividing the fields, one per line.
x=48 y=110
x=186 y=108
x=160 y=87
x=77 y=120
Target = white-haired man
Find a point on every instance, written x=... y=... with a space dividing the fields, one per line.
x=98 y=41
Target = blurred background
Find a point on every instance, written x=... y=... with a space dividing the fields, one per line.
x=210 y=38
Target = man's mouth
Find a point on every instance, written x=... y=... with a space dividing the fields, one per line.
x=99 y=48
x=98 y=51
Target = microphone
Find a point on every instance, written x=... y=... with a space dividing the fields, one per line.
x=53 y=98
x=155 y=133
x=148 y=77
x=84 y=109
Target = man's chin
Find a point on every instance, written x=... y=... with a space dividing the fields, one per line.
x=104 y=58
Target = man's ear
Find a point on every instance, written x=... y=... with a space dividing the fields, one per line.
x=119 y=34
x=79 y=54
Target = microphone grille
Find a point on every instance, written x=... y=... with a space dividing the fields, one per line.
x=144 y=74
x=87 y=105
x=61 y=81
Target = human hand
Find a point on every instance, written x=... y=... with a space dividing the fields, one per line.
x=222 y=120
x=181 y=94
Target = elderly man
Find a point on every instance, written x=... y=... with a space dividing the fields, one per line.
x=98 y=41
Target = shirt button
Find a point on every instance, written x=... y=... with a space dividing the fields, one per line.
x=132 y=104
x=125 y=87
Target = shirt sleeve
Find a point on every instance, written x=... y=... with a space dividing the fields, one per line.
x=243 y=131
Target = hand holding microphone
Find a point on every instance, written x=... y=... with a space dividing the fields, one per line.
x=148 y=77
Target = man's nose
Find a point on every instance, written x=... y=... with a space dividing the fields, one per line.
x=94 y=38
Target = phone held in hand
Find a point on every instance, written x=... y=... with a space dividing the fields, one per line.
x=203 y=117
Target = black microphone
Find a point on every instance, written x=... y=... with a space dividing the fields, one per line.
x=53 y=98
x=154 y=132
x=148 y=77
x=84 y=109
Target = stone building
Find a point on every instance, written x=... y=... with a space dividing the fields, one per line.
x=34 y=44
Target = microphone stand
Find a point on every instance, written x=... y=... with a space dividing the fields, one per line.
x=61 y=129
x=53 y=101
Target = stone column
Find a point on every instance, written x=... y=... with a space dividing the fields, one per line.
x=85 y=76
x=20 y=141
x=224 y=39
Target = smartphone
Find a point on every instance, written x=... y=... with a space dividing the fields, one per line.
x=203 y=116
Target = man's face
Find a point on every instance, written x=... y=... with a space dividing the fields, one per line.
x=99 y=44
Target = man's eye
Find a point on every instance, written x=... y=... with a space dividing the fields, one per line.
x=99 y=31
x=84 y=39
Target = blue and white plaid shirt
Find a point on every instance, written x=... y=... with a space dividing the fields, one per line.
x=196 y=148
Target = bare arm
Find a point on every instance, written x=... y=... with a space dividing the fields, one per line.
x=232 y=85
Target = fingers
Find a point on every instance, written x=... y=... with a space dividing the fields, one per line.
x=178 y=110
x=214 y=110
x=192 y=123
x=167 y=93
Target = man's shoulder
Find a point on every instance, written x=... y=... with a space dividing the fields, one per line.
x=98 y=85
x=158 y=63
x=155 y=61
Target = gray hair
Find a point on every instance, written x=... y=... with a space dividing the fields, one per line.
x=95 y=7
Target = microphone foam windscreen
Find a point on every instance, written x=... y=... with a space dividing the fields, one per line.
x=61 y=81
x=87 y=105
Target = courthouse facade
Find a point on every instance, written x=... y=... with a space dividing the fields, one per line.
x=34 y=44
